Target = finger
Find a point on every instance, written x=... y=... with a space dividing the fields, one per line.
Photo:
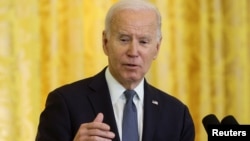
x=102 y=126
x=95 y=130
x=101 y=133
x=98 y=123
x=99 y=117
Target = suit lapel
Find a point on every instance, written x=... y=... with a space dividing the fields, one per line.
x=151 y=113
x=101 y=102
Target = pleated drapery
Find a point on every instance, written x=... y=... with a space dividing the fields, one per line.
x=203 y=59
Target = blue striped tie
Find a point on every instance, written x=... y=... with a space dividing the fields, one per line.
x=129 y=123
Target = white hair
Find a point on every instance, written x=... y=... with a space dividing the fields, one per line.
x=132 y=5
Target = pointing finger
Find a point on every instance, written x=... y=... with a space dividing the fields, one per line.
x=99 y=117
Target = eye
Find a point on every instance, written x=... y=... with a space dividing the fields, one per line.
x=124 y=39
x=143 y=42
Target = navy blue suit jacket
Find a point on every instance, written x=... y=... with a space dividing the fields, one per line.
x=71 y=105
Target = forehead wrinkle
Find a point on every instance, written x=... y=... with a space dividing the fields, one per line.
x=134 y=25
x=134 y=32
x=124 y=28
x=133 y=15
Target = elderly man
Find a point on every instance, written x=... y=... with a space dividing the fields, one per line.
x=98 y=108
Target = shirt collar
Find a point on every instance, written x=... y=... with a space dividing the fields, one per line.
x=116 y=89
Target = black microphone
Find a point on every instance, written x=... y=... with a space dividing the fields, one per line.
x=229 y=120
x=210 y=119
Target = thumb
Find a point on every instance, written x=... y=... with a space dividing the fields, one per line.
x=99 y=117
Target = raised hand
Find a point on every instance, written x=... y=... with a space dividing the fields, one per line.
x=94 y=131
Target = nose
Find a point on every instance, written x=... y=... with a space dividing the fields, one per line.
x=133 y=49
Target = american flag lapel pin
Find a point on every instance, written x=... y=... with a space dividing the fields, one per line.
x=155 y=102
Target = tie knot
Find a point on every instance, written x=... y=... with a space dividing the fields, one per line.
x=129 y=94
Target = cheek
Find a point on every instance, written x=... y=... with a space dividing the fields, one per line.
x=151 y=54
x=109 y=49
x=114 y=54
x=148 y=58
x=154 y=53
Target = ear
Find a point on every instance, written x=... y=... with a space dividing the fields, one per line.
x=158 y=45
x=104 y=42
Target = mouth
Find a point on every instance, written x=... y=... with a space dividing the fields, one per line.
x=131 y=66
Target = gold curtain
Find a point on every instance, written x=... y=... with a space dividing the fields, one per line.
x=44 y=44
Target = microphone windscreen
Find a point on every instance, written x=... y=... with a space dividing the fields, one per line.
x=229 y=120
x=210 y=119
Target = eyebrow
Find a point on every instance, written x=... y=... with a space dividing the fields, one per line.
x=124 y=33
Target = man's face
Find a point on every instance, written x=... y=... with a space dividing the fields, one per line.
x=132 y=45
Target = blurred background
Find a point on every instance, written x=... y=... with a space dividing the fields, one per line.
x=203 y=60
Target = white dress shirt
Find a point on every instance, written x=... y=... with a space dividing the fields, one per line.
x=118 y=101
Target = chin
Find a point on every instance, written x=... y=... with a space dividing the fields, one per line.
x=133 y=78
